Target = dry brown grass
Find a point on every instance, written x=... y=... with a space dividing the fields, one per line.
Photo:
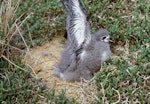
x=10 y=28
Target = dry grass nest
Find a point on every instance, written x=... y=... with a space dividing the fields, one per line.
x=42 y=61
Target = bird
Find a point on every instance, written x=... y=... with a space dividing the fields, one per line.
x=85 y=52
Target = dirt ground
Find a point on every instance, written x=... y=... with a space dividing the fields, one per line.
x=42 y=61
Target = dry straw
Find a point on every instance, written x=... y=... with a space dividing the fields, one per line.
x=10 y=28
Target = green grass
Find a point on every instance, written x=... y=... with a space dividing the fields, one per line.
x=124 y=78
x=24 y=24
x=126 y=75
x=45 y=19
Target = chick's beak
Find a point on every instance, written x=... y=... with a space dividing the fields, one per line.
x=110 y=39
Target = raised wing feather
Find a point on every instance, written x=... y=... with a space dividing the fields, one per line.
x=78 y=28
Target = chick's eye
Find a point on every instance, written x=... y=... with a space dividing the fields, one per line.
x=103 y=38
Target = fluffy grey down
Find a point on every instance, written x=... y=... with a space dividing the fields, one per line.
x=81 y=57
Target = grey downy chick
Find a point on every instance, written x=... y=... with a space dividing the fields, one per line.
x=85 y=52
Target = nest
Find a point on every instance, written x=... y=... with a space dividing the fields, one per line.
x=43 y=59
